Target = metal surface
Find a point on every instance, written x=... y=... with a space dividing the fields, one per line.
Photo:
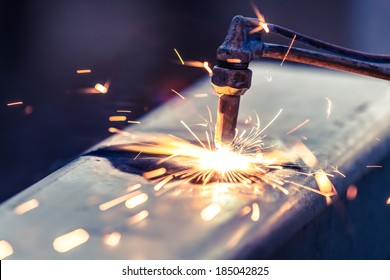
x=69 y=198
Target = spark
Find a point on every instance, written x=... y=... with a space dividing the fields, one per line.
x=352 y=192
x=255 y=212
x=83 y=71
x=199 y=64
x=177 y=53
x=329 y=108
x=288 y=50
x=109 y=204
x=70 y=240
x=123 y=111
x=262 y=23
x=6 y=249
x=388 y=201
x=15 y=103
x=138 y=217
x=136 y=200
x=207 y=67
x=324 y=184
x=298 y=126
x=155 y=173
x=336 y=170
x=181 y=96
x=112 y=239
x=374 y=166
x=137 y=155
x=26 y=206
x=117 y=118
x=210 y=212
x=133 y=187
x=100 y=88
x=135 y=122
x=377 y=139
x=302 y=151
x=200 y=95
x=118 y=131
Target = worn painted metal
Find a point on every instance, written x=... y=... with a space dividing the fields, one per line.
x=69 y=198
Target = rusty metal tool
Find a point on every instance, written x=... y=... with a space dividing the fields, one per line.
x=232 y=78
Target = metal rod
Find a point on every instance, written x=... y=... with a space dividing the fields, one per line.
x=326 y=61
x=225 y=130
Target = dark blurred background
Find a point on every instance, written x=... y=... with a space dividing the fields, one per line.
x=129 y=43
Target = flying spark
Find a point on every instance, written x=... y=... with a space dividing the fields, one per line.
x=262 y=24
x=134 y=122
x=374 y=166
x=388 y=201
x=136 y=200
x=109 y=204
x=70 y=240
x=112 y=239
x=15 y=103
x=6 y=249
x=138 y=217
x=329 y=108
x=100 y=88
x=255 y=212
x=26 y=207
x=117 y=118
x=177 y=53
x=123 y=111
x=181 y=96
x=298 y=126
x=210 y=212
x=83 y=71
x=288 y=50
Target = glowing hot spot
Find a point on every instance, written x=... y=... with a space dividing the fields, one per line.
x=223 y=160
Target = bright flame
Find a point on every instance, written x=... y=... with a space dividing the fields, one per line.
x=6 y=249
x=71 y=240
x=26 y=206
x=223 y=160
x=262 y=23
x=112 y=239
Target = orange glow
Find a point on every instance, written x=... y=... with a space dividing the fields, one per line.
x=323 y=182
x=388 y=201
x=255 y=212
x=210 y=212
x=15 y=103
x=181 y=96
x=177 y=53
x=112 y=239
x=117 y=118
x=101 y=88
x=71 y=240
x=262 y=23
x=298 y=126
x=138 y=217
x=302 y=151
x=83 y=71
x=109 y=204
x=26 y=206
x=155 y=173
x=352 y=192
x=233 y=60
x=207 y=67
x=193 y=63
x=246 y=210
x=288 y=50
x=224 y=160
x=136 y=200
x=6 y=249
